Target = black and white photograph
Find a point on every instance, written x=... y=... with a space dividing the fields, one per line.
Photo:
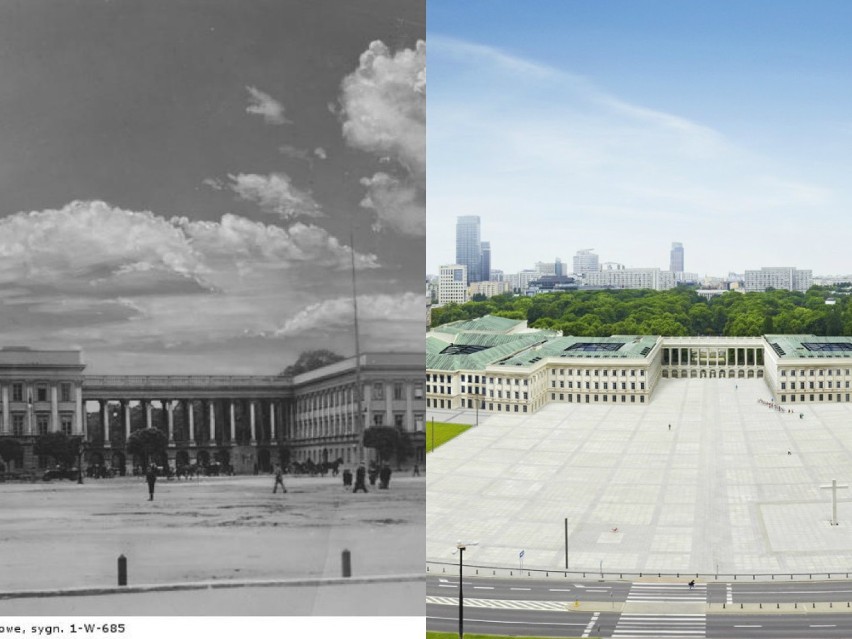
x=212 y=240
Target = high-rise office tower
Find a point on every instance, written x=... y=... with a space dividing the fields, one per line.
x=468 y=246
x=676 y=261
x=586 y=262
x=485 y=268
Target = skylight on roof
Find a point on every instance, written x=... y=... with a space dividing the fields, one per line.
x=590 y=347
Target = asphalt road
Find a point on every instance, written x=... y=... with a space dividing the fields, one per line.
x=563 y=607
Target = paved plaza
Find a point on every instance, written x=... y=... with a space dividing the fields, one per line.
x=716 y=493
x=62 y=535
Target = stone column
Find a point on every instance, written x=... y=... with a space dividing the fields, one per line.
x=272 y=421
x=389 y=403
x=188 y=411
x=148 y=421
x=54 y=408
x=167 y=406
x=251 y=422
x=408 y=388
x=125 y=412
x=105 y=419
x=81 y=426
x=233 y=422
x=212 y=414
x=7 y=427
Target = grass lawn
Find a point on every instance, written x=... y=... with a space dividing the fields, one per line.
x=468 y=635
x=440 y=432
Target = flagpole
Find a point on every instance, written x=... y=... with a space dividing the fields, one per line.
x=359 y=424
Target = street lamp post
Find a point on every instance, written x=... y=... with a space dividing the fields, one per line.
x=461 y=548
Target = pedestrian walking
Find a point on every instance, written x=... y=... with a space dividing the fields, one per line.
x=347 y=478
x=279 y=480
x=670 y=426
x=692 y=584
x=384 y=476
x=416 y=472
x=360 y=477
x=151 y=478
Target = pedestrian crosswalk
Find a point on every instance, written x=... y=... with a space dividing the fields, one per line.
x=657 y=625
x=667 y=592
x=504 y=604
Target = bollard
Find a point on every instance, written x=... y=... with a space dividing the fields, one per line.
x=777 y=606
x=122 y=570
x=761 y=606
x=346 y=557
x=477 y=571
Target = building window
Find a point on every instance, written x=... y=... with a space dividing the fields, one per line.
x=397 y=391
x=17 y=392
x=398 y=420
x=379 y=390
x=18 y=424
x=42 y=421
x=41 y=393
x=418 y=391
x=378 y=418
x=66 y=421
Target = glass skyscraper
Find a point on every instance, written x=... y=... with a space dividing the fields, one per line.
x=469 y=246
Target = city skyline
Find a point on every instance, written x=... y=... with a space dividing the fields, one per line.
x=627 y=127
x=181 y=184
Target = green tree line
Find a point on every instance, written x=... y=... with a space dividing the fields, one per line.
x=678 y=311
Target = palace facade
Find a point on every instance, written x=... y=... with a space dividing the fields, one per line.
x=245 y=421
x=499 y=365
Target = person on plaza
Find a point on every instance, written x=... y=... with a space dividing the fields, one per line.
x=279 y=479
x=373 y=474
x=416 y=472
x=360 y=476
x=692 y=584
x=385 y=475
x=151 y=478
x=347 y=478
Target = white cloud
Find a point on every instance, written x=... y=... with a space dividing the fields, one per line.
x=384 y=104
x=275 y=193
x=384 y=112
x=265 y=105
x=398 y=205
x=381 y=312
x=320 y=153
x=214 y=184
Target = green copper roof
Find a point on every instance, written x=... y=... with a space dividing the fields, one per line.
x=809 y=346
x=595 y=348
x=484 y=324
x=497 y=347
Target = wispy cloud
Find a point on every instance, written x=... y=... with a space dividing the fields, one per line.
x=275 y=193
x=266 y=106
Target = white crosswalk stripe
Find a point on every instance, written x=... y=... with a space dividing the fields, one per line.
x=667 y=592
x=657 y=625
x=504 y=604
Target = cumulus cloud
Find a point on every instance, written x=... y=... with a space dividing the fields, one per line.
x=387 y=310
x=275 y=193
x=214 y=184
x=265 y=105
x=320 y=153
x=398 y=205
x=383 y=107
x=384 y=104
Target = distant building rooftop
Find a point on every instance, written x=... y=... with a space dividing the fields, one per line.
x=809 y=346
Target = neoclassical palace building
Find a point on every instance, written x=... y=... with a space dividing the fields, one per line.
x=245 y=421
x=499 y=365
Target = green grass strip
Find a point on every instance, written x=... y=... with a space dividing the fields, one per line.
x=438 y=433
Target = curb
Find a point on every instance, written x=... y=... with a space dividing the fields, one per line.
x=209 y=585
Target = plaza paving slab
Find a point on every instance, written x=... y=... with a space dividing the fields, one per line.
x=733 y=487
x=62 y=535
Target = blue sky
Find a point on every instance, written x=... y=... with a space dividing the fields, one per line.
x=626 y=126
x=179 y=181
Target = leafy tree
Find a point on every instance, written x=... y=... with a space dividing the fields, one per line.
x=311 y=360
x=404 y=447
x=59 y=446
x=148 y=443
x=10 y=449
x=385 y=439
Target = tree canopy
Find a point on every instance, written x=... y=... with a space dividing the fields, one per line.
x=59 y=446
x=385 y=439
x=679 y=312
x=311 y=360
x=147 y=443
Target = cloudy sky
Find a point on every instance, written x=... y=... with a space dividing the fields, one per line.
x=625 y=126
x=179 y=180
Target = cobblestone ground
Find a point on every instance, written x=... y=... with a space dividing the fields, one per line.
x=60 y=534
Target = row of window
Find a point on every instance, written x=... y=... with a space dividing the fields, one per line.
x=820 y=372
x=42 y=392
x=598 y=385
x=596 y=398
x=42 y=423
x=597 y=372
x=343 y=396
x=831 y=397
x=811 y=385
